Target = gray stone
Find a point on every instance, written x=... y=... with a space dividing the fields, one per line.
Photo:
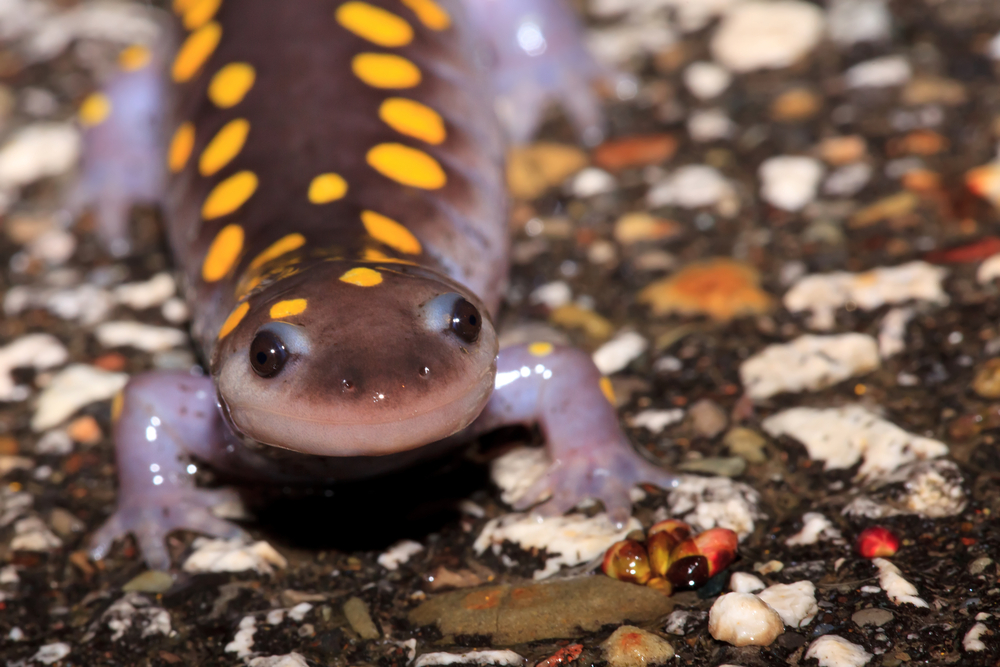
x=876 y=617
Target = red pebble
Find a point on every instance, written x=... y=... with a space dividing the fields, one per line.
x=877 y=542
x=972 y=252
x=563 y=656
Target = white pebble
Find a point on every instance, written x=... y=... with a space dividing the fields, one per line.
x=743 y=619
x=744 y=582
x=842 y=436
x=848 y=180
x=56 y=441
x=834 y=651
x=292 y=659
x=38 y=151
x=693 y=186
x=31 y=534
x=119 y=22
x=767 y=35
x=567 y=540
x=815 y=527
x=789 y=182
x=399 y=553
x=39 y=351
x=879 y=73
x=822 y=294
x=932 y=489
x=554 y=294
x=892 y=331
x=147 y=293
x=132 y=607
x=593 y=181
x=175 y=311
x=145 y=337
x=795 y=603
x=622 y=41
x=71 y=389
x=243 y=641
x=515 y=471
x=971 y=642
x=853 y=21
x=993 y=49
x=706 y=80
x=54 y=247
x=505 y=658
x=713 y=502
x=619 y=352
x=216 y=555
x=299 y=611
x=808 y=363
x=49 y=653
x=895 y=586
x=656 y=420
x=706 y=125
x=989 y=270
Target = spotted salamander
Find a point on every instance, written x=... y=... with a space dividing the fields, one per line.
x=330 y=173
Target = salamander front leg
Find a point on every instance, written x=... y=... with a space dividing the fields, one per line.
x=162 y=419
x=560 y=389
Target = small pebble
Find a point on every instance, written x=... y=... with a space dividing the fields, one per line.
x=746 y=443
x=629 y=646
x=619 y=352
x=733 y=466
x=706 y=80
x=656 y=420
x=790 y=182
x=555 y=294
x=292 y=659
x=50 y=653
x=971 y=642
x=145 y=337
x=767 y=35
x=150 y=581
x=743 y=619
x=399 y=553
x=815 y=527
x=640 y=226
x=743 y=582
x=795 y=603
x=38 y=151
x=881 y=72
x=71 y=389
x=635 y=151
x=148 y=293
x=217 y=555
x=693 y=186
x=39 y=351
x=361 y=621
x=708 y=418
x=850 y=22
x=875 y=616
x=706 y=125
x=834 y=651
x=986 y=381
x=503 y=658
x=84 y=430
x=838 y=151
x=592 y=181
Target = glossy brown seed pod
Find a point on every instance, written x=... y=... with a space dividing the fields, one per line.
x=628 y=561
x=688 y=572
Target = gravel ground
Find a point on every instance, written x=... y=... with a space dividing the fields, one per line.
x=784 y=257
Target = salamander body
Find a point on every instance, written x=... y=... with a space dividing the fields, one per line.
x=333 y=194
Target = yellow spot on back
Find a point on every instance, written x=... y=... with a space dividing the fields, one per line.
x=180 y=147
x=608 y=390
x=362 y=277
x=390 y=232
x=385 y=70
x=283 y=245
x=374 y=24
x=229 y=195
x=181 y=6
x=540 y=349
x=134 y=57
x=407 y=166
x=195 y=50
x=413 y=119
x=373 y=255
x=287 y=308
x=326 y=188
x=231 y=84
x=222 y=253
x=199 y=13
x=95 y=109
x=234 y=319
x=117 y=405
x=430 y=13
x=224 y=146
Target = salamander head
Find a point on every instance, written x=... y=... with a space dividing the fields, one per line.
x=356 y=360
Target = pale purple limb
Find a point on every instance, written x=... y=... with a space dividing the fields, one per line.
x=559 y=388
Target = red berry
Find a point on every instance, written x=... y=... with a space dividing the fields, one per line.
x=877 y=542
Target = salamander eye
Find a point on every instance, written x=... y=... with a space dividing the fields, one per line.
x=267 y=354
x=466 y=322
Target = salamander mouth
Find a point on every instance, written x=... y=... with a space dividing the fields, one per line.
x=310 y=433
